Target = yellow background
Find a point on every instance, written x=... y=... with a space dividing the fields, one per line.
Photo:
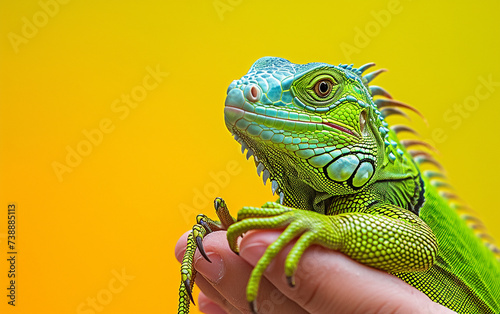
x=122 y=207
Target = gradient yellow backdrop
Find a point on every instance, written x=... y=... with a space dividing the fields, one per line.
x=103 y=227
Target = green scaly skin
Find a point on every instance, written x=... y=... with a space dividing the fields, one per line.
x=346 y=182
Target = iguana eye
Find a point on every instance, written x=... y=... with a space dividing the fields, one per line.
x=323 y=87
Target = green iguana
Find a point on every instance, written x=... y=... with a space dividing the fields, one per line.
x=346 y=182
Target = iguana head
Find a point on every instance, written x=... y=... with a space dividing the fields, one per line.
x=313 y=129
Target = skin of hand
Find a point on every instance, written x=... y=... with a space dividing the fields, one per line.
x=326 y=281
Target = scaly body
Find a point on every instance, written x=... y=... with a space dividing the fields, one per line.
x=346 y=182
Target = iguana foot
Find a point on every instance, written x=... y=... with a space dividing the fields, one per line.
x=203 y=226
x=308 y=226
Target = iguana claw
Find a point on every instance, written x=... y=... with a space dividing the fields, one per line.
x=199 y=244
x=218 y=202
x=291 y=281
x=253 y=307
x=204 y=224
x=187 y=285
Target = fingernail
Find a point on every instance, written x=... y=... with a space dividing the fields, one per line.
x=253 y=252
x=213 y=271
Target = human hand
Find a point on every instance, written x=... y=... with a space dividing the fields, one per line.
x=326 y=281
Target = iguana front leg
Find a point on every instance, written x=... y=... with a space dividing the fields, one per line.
x=383 y=236
x=203 y=226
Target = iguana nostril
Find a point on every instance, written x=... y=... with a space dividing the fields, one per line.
x=252 y=93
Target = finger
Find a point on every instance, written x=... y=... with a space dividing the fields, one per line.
x=180 y=246
x=212 y=273
x=228 y=274
x=233 y=288
x=328 y=281
x=208 y=306
x=211 y=300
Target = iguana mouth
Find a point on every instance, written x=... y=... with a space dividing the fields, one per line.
x=340 y=128
x=234 y=114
